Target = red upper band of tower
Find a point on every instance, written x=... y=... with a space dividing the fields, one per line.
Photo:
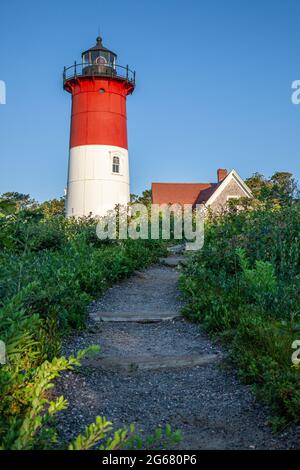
x=99 y=88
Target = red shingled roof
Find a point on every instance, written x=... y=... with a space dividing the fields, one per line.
x=182 y=193
x=206 y=193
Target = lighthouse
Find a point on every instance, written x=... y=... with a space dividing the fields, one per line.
x=98 y=172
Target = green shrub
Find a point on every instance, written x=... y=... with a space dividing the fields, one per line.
x=51 y=268
x=245 y=286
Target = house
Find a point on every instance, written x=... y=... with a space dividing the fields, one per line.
x=213 y=195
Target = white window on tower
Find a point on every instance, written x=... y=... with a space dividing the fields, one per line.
x=116 y=165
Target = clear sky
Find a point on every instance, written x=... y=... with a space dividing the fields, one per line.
x=213 y=87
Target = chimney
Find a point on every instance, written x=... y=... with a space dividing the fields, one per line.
x=222 y=173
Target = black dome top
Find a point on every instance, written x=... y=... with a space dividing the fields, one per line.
x=99 y=47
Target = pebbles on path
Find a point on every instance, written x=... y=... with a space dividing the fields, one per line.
x=207 y=403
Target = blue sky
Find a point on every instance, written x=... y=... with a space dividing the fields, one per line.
x=213 y=87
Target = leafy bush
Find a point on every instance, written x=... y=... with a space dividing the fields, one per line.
x=244 y=285
x=51 y=268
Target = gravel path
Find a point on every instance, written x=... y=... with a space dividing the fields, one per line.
x=207 y=403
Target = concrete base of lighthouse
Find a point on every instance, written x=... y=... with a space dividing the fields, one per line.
x=94 y=185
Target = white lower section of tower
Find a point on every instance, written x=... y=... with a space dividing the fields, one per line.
x=96 y=181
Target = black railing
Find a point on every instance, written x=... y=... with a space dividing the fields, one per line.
x=88 y=70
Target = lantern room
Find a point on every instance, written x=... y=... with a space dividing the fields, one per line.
x=99 y=60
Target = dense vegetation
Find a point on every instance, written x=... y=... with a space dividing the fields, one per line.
x=51 y=268
x=244 y=286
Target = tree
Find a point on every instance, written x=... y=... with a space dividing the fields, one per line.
x=133 y=198
x=6 y=207
x=12 y=202
x=284 y=186
x=53 y=207
x=281 y=187
x=258 y=184
x=146 y=197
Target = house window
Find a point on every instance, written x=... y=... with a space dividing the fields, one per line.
x=116 y=165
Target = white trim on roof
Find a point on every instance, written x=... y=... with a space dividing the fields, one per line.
x=233 y=175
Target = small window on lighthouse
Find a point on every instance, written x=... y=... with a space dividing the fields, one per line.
x=116 y=165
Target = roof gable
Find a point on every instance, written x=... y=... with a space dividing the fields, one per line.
x=233 y=175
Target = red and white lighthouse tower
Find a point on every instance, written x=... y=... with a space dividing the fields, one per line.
x=98 y=175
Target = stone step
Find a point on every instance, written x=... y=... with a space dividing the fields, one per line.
x=173 y=261
x=176 y=249
x=134 y=363
x=138 y=317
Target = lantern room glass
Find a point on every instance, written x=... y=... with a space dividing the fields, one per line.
x=85 y=58
x=99 y=57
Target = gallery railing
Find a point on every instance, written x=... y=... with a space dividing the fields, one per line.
x=105 y=70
